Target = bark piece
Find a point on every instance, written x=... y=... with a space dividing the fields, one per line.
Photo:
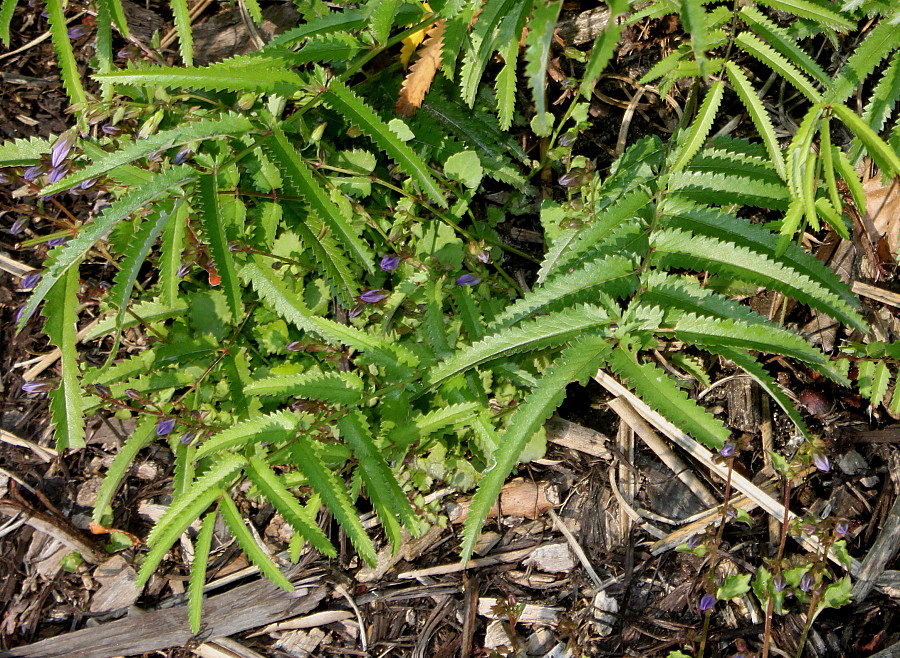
x=551 y=558
x=518 y=498
x=575 y=436
x=117 y=581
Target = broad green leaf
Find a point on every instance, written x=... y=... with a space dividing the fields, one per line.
x=7 y=7
x=576 y=363
x=734 y=586
x=66 y=404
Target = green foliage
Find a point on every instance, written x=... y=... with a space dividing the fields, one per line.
x=321 y=289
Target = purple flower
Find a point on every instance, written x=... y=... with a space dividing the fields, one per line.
x=20 y=314
x=32 y=172
x=356 y=311
x=779 y=583
x=88 y=183
x=842 y=529
x=4 y=179
x=727 y=450
x=165 y=426
x=29 y=281
x=807 y=581
x=566 y=140
x=156 y=156
x=483 y=256
x=18 y=225
x=468 y=280
x=183 y=270
x=62 y=146
x=36 y=387
x=390 y=263
x=186 y=438
x=182 y=155
x=110 y=129
x=821 y=462
x=707 y=603
x=570 y=179
x=78 y=31
x=58 y=172
x=295 y=346
x=373 y=296
x=133 y=394
x=55 y=242
x=694 y=541
x=102 y=390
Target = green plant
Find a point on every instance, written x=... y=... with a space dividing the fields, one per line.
x=324 y=305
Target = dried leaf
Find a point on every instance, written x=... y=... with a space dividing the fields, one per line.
x=421 y=74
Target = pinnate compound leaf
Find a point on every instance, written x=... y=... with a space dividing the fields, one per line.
x=604 y=47
x=334 y=495
x=66 y=404
x=877 y=45
x=245 y=539
x=202 y=548
x=883 y=155
x=576 y=363
x=546 y=331
x=287 y=505
x=421 y=74
x=330 y=387
x=271 y=428
x=777 y=62
x=65 y=256
x=658 y=390
x=259 y=79
x=342 y=100
x=812 y=11
x=381 y=486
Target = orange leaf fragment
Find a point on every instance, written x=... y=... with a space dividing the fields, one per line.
x=421 y=74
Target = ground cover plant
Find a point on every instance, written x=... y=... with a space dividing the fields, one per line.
x=302 y=235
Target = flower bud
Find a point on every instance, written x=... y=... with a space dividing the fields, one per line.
x=165 y=426
x=4 y=179
x=55 y=242
x=102 y=390
x=110 y=129
x=36 y=387
x=62 y=146
x=707 y=603
x=390 y=263
x=78 y=31
x=30 y=280
x=295 y=346
x=186 y=438
x=727 y=450
x=821 y=462
x=468 y=280
x=182 y=155
x=183 y=270
x=807 y=581
x=32 y=172
x=133 y=394
x=779 y=583
x=89 y=183
x=58 y=172
x=373 y=296
x=694 y=541
x=18 y=225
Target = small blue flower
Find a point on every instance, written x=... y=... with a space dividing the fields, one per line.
x=183 y=270
x=707 y=603
x=36 y=387
x=186 y=438
x=779 y=583
x=110 y=129
x=842 y=529
x=20 y=314
x=55 y=242
x=390 y=263
x=694 y=541
x=78 y=31
x=373 y=296
x=18 y=225
x=821 y=462
x=296 y=346
x=727 y=450
x=807 y=581
x=182 y=155
x=62 y=146
x=58 y=172
x=29 y=281
x=32 y=172
x=165 y=426
x=468 y=280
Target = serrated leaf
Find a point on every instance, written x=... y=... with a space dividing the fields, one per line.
x=482 y=41
x=434 y=422
x=147 y=311
x=183 y=28
x=721 y=189
x=24 y=152
x=335 y=496
x=576 y=363
x=880 y=380
x=866 y=57
x=417 y=81
x=270 y=428
x=603 y=49
x=699 y=130
x=271 y=486
x=381 y=486
x=777 y=62
x=7 y=8
x=537 y=50
x=202 y=548
x=258 y=79
x=659 y=391
x=214 y=226
x=66 y=405
x=63 y=257
x=294 y=170
x=780 y=39
x=547 y=331
x=65 y=57
x=331 y=387
x=758 y=115
x=883 y=155
x=170 y=260
x=342 y=100
x=245 y=539
x=814 y=12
